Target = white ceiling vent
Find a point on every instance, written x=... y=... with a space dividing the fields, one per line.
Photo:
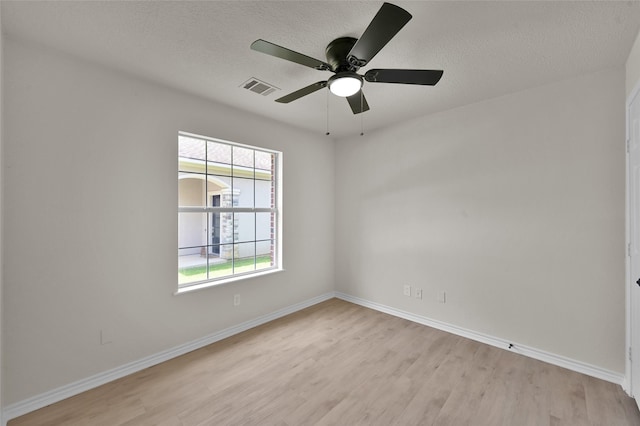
x=259 y=86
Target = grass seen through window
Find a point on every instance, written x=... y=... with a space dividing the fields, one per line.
x=198 y=273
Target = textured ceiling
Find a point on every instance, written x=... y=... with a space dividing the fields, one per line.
x=486 y=49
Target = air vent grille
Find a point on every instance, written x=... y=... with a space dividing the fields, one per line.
x=259 y=86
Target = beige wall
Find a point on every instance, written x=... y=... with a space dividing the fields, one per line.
x=633 y=67
x=514 y=206
x=1 y=213
x=91 y=220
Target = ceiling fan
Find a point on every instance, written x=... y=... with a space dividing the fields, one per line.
x=346 y=55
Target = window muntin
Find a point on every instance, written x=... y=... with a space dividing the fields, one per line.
x=227 y=210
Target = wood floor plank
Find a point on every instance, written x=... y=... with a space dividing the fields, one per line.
x=337 y=363
x=443 y=371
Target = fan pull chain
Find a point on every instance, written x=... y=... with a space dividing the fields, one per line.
x=361 y=113
x=327 y=112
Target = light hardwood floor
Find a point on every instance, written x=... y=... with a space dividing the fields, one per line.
x=341 y=364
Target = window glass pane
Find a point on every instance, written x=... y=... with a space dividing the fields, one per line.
x=243 y=157
x=265 y=226
x=263 y=175
x=214 y=222
x=218 y=152
x=191 y=153
x=227 y=253
x=243 y=163
x=193 y=166
x=221 y=261
x=227 y=229
x=192 y=266
x=218 y=159
x=264 y=254
x=217 y=170
x=264 y=162
x=243 y=172
x=192 y=148
x=245 y=227
x=265 y=195
x=243 y=192
x=219 y=191
x=191 y=190
x=245 y=260
x=192 y=230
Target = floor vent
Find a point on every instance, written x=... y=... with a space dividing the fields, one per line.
x=259 y=87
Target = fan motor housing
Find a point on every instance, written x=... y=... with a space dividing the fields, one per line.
x=337 y=52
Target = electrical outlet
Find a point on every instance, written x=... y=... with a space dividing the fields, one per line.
x=236 y=300
x=442 y=297
x=418 y=293
x=407 y=290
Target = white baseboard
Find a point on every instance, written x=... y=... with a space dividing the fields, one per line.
x=55 y=395
x=540 y=355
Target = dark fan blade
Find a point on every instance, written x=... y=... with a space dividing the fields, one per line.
x=428 y=77
x=302 y=92
x=358 y=103
x=289 y=55
x=388 y=21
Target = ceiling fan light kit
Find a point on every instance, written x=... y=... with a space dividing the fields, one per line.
x=346 y=55
x=345 y=84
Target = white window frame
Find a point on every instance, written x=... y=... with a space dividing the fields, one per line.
x=276 y=210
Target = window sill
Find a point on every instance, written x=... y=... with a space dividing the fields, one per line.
x=209 y=284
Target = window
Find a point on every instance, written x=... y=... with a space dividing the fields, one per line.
x=227 y=211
